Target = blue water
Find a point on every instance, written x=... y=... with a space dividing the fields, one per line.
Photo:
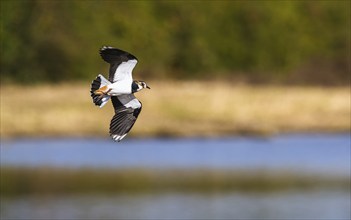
x=329 y=154
x=323 y=154
x=235 y=205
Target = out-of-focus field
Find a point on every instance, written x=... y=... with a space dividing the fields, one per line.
x=177 y=109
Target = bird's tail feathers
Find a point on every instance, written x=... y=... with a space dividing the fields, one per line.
x=100 y=81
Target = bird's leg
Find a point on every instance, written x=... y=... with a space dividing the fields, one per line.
x=106 y=93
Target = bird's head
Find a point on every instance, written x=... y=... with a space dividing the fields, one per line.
x=139 y=85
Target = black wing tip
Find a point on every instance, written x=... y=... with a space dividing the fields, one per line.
x=122 y=122
x=109 y=50
x=106 y=48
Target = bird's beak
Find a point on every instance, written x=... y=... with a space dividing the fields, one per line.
x=148 y=87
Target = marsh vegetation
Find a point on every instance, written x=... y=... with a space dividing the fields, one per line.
x=178 y=109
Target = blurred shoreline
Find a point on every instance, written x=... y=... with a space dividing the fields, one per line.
x=50 y=180
x=177 y=109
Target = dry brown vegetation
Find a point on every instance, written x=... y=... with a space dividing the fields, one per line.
x=177 y=109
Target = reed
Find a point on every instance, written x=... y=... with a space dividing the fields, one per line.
x=177 y=109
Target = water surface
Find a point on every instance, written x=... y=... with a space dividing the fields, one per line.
x=235 y=205
x=322 y=154
x=328 y=154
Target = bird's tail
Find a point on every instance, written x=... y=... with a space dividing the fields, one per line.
x=99 y=100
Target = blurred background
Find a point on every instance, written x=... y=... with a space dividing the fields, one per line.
x=248 y=115
x=292 y=42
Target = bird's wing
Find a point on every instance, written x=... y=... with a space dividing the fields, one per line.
x=127 y=109
x=121 y=63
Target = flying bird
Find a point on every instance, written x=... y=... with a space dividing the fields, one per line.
x=120 y=88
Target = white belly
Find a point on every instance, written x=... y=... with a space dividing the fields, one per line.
x=120 y=88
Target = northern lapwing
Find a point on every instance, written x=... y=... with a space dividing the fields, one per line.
x=120 y=87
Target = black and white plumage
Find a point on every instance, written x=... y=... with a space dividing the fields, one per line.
x=120 y=87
